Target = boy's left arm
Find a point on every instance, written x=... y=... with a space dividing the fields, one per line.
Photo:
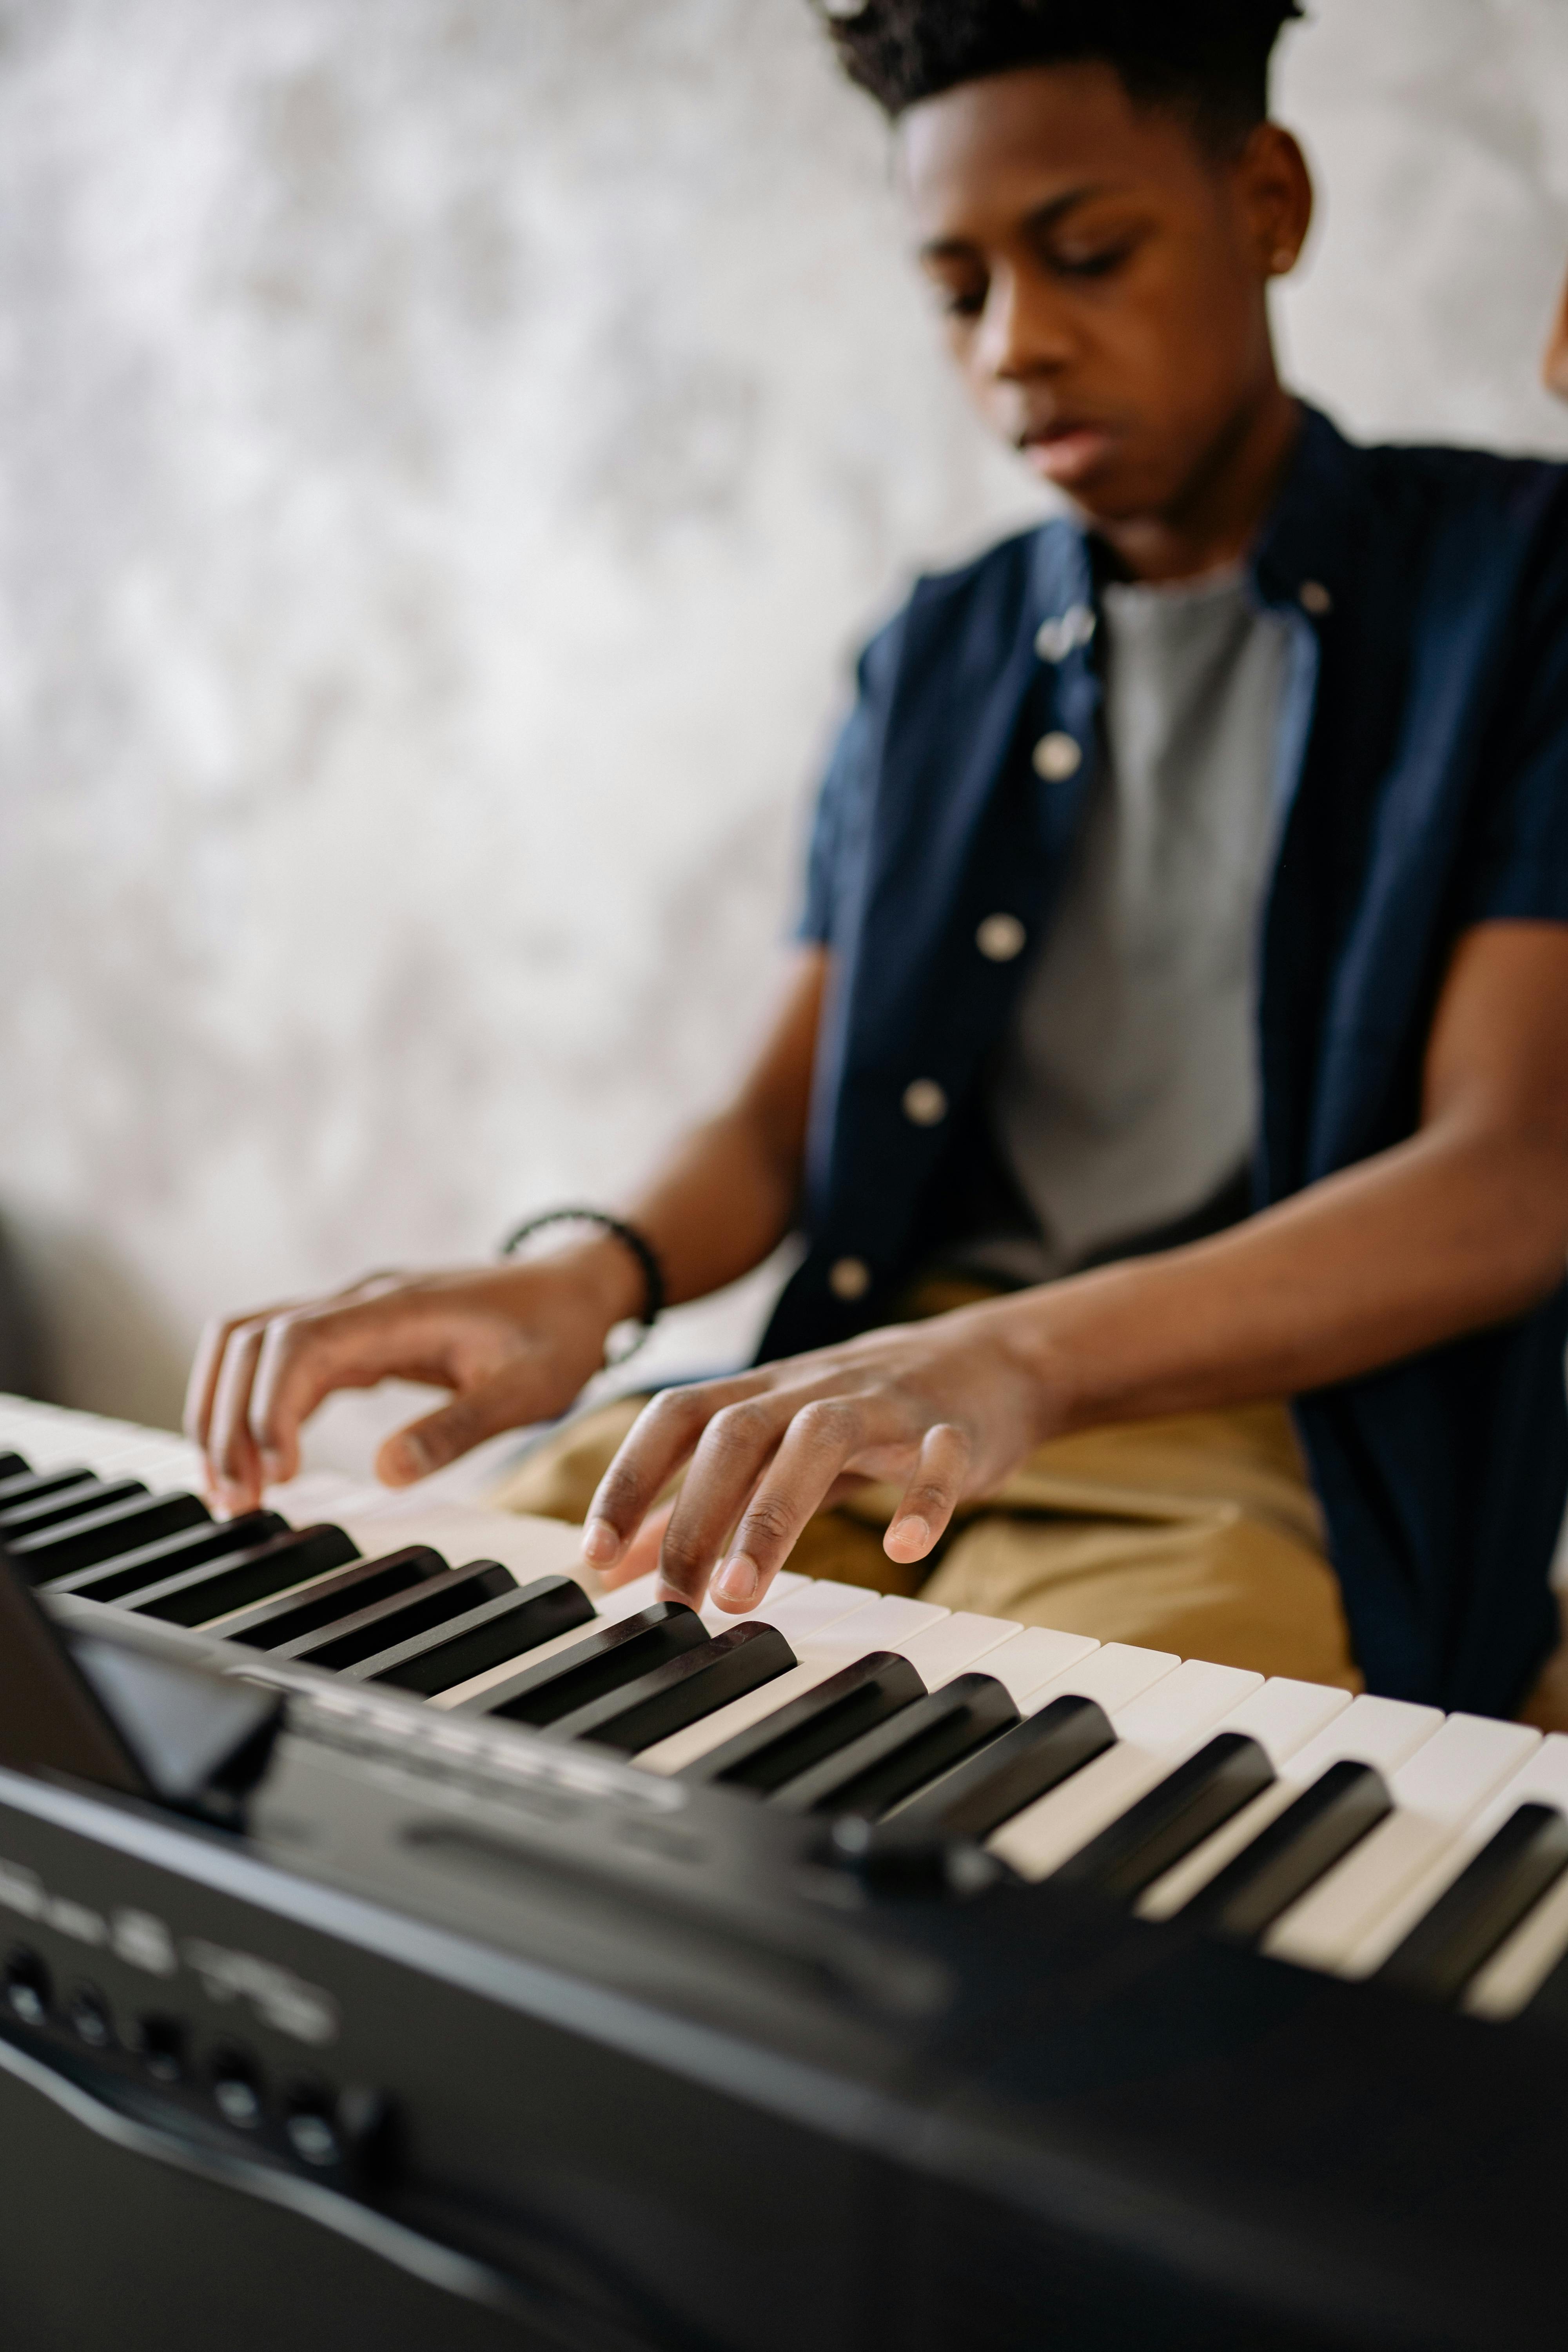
x=1464 y=1224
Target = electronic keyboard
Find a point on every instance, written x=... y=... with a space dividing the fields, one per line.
x=405 y=1946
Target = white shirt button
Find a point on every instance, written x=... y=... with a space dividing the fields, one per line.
x=850 y=1277
x=1054 y=639
x=1316 y=599
x=1000 y=938
x=1057 y=757
x=925 y=1104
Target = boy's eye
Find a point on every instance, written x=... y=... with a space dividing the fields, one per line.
x=963 y=301
x=1099 y=264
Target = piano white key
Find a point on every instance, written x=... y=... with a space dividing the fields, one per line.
x=1029 y=1664
x=1541 y=1778
x=1113 y=1675
x=801 y=1615
x=1523 y=1964
x=1379 y=1731
x=1448 y=1778
x=958 y=1644
x=1178 y=1706
x=719 y=1620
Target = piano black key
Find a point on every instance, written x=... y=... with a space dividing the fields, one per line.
x=27 y=1485
x=480 y=1638
x=12 y=1466
x=786 y=1743
x=150 y=1563
x=977 y=1796
x=901 y=1754
x=197 y=1595
x=405 y=1613
x=1291 y=1853
x=605 y=1661
x=1485 y=1904
x=681 y=1692
x=100 y=1536
x=336 y=1598
x=71 y=1502
x=1175 y=1815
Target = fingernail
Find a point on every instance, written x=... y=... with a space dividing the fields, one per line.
x=600 y=1542
x=912 y=1530
x=738 y=1580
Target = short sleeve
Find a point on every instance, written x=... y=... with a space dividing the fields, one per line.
x=1518 y=862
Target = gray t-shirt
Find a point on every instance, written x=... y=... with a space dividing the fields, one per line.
x=1127 y=1093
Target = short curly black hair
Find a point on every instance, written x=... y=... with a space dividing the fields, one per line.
x=1207 y=60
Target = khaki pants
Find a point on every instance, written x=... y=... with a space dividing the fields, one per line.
x=1197 y=1533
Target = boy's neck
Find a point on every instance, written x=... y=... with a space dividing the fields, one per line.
x=1222 y=508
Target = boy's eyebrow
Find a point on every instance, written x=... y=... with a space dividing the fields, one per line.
x=1043 y=218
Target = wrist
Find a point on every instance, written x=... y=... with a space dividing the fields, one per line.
x=600 y=1271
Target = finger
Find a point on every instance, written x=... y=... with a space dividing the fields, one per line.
x=820 y=1440
x=511 y=1398
x=234 y=1466
x=731 y=1455
x=306 y=1355
x=201 y=1388
x=931 y=1495
x=652 y=1451
x=642 y=1553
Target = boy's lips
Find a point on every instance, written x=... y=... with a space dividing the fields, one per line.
x=1066 y=453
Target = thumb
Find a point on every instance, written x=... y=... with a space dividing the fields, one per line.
x=509 y=1401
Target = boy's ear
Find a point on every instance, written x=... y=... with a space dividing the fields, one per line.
x=1275 y=189
x=1554 y=359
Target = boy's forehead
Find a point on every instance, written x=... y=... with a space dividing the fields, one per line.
x=1020 y=141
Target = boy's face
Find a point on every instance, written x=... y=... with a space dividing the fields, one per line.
x=1102 y=273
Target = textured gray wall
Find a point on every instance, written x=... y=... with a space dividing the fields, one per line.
x=447 y=451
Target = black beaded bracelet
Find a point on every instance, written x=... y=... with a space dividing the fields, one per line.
x=641 y=1248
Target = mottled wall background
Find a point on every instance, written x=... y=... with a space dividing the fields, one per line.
x=448 y=449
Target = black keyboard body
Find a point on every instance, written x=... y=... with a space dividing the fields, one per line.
x=468 y=2038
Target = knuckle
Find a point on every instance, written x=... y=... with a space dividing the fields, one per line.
x=829 y=1420
x=769 y=1520
x=681 y=1557
x=739 y=1427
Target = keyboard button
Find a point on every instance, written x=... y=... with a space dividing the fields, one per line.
x=197 y=1595
x=794 y=1737
x=288 y=1615
x=12 y=1466
x=605 y=1661
x=380 y=1624
x=481 y=1637
x=150 y=1563
x=1483 y=1906
x=1293 y=1853
x=1037 y=1756
x=874 y=1771
x=104 y=1534
x=677 y=1693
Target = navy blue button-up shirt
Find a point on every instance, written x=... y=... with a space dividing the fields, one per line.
x=1423 y=787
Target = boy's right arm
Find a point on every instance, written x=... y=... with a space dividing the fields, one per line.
x=515 y=1343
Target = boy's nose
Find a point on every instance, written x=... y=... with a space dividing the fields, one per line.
x=1022 y=333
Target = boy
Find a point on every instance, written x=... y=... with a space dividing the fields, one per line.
x=1184 y=972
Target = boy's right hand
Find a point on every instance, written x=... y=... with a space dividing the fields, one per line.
x=513 y=1343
